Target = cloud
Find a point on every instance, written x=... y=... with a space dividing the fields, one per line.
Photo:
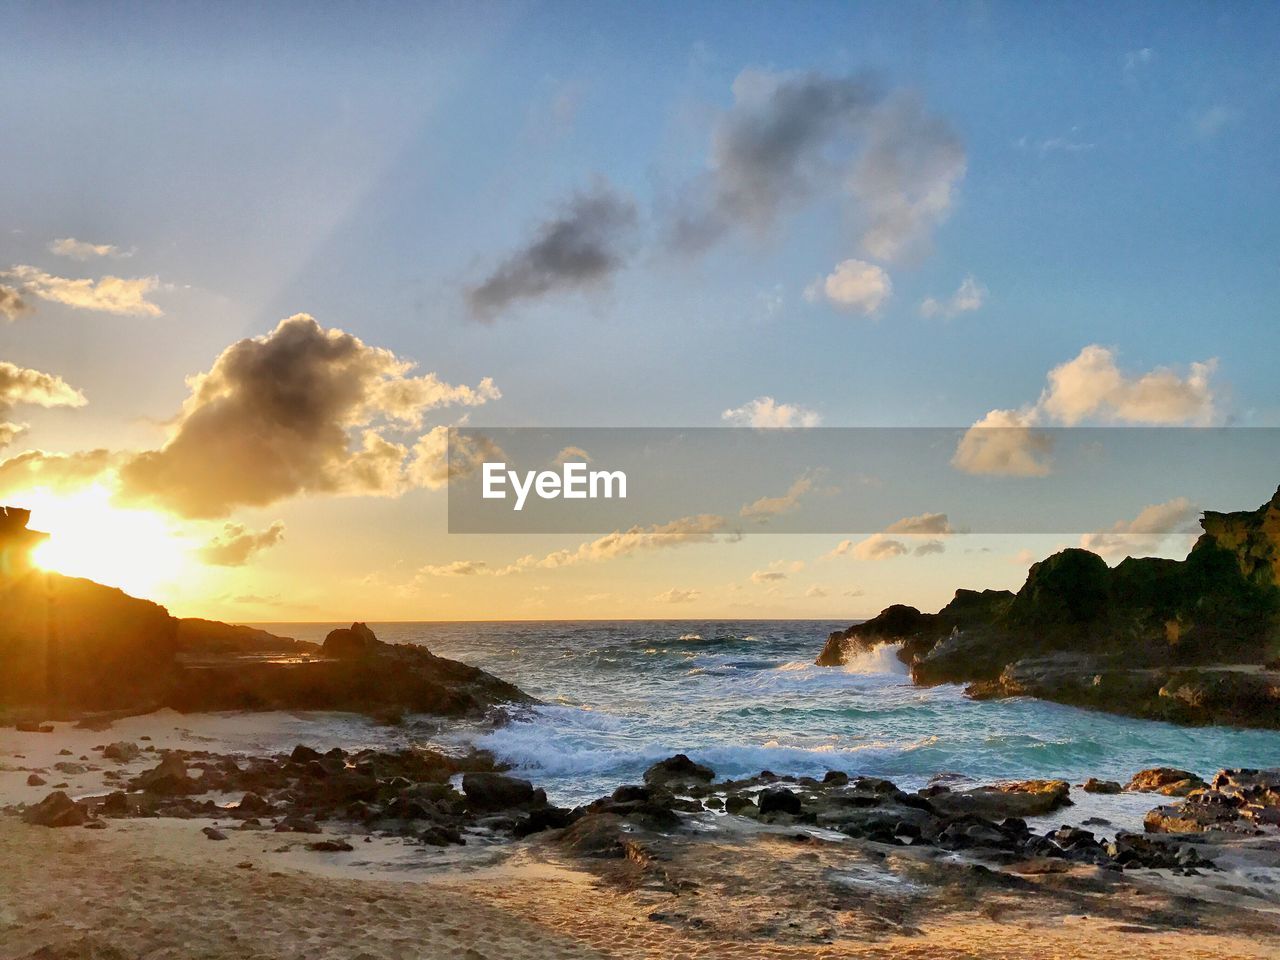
x=1003 y=443
x=573 y=455
x=237 y=544
x=1135 y=60
x=20 y=385
x=1207 y=124
x=935 y=524
x=108 y=294
x=767 y=412
x=930 y=546
x=1089 y=387
x=12 y=306
x=777 y=571
x=276 y=416
x=431 y=465
x=702 y=528
x=816 y=592
x=766 y=507
x=1146 y=532
x=878 y=546
x=458 y=568
x=1092 y=387
x=80 y=250
x=39 y=470
x=855 y=286
x=790 y=138
x=969 y=296
x=676 y=595
x=580 y=247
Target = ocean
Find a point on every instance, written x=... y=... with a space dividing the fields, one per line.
x=744 y=696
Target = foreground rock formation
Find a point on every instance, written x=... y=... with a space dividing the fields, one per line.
x=1191 y=641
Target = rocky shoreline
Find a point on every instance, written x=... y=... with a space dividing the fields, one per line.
x=1195 y=641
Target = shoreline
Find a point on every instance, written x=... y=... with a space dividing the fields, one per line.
x=709 y=884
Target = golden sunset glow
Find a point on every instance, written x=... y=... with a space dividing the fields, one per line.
x=136 y=550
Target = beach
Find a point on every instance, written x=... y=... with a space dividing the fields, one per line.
x=714 y=887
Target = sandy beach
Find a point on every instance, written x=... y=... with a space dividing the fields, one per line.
x=158 y=887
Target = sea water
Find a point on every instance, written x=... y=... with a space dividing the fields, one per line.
x=744 y=696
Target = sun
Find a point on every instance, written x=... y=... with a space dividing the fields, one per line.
x=139 y=551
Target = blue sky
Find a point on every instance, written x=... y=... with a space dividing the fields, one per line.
x=369 y=166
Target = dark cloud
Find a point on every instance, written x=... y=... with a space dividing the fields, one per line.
x=582 y=246
x=237 y=544
x=280 y=415
x=12 y=306
x=793 y=137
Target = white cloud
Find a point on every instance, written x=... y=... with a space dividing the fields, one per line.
x=766 y=507
x=677 y=595
x=458 y=568
x=855 y=286
x=767 y=412
x=1146 y=532
x=23 y=386
x=108 y=294
x=81 y=250
x=969 y=296
x=1089 y=387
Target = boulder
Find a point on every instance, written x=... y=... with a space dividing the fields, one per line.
x=56 y=810
x=122 y=751
x=678 y=773
x=1168 y=781
x=779 y=800
x=35 y=780
x=1094 y=785
x=497 y=791
x=1026 y=798
x=353 y=642
x=167 y=779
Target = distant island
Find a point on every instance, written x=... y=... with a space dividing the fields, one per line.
x=1192 y=641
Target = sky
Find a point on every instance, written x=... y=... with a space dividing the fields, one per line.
x=255 y=258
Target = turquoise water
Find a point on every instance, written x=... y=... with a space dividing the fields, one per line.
x=744 y=696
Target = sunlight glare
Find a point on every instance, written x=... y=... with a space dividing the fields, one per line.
x=136 y=550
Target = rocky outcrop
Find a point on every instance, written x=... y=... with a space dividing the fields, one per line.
x=198 y=637
x=376 y=678
x=1191 y=641
x=1237 y=801
x=347 y=643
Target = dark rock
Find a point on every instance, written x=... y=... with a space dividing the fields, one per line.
x=213 y=833
x=168 y=779
x=26 y=726
x=351 y=642
x=738 y=803
x=497 y=791
x=441 y=836
x=779 y=800
x=678 y=772
x=548 y=818
x=56 y=810
x=122 y=751
x=297 y=825
x=1027 y=798
x=594 y=835
x=35 y=780
x=304 y=754
x=1094 y=785
x=253 y=805
x=835 y=778
x=629 y=792
x=330 y=846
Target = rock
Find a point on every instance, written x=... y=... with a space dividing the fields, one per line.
x=1027 y=798
x=835 y=778
x=1165 y=780
x=56 y=810
x=330 y=846
x=70 y=769
x=547 y=818
x=497 y=791
x=1094 y=785
x=779 y=800
x=253 y=805
x=122 y=751
x=347 y=643
x=630 y=792
x=678 y=772
x=297 y=825
x=441 y=836
x=26 y=726
x=213 y=833
x=35 y=780
x=738 y=803
x=303 y=754
x=595 y=835
x=168 y=779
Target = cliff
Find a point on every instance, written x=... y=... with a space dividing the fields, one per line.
x=1151 y=636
